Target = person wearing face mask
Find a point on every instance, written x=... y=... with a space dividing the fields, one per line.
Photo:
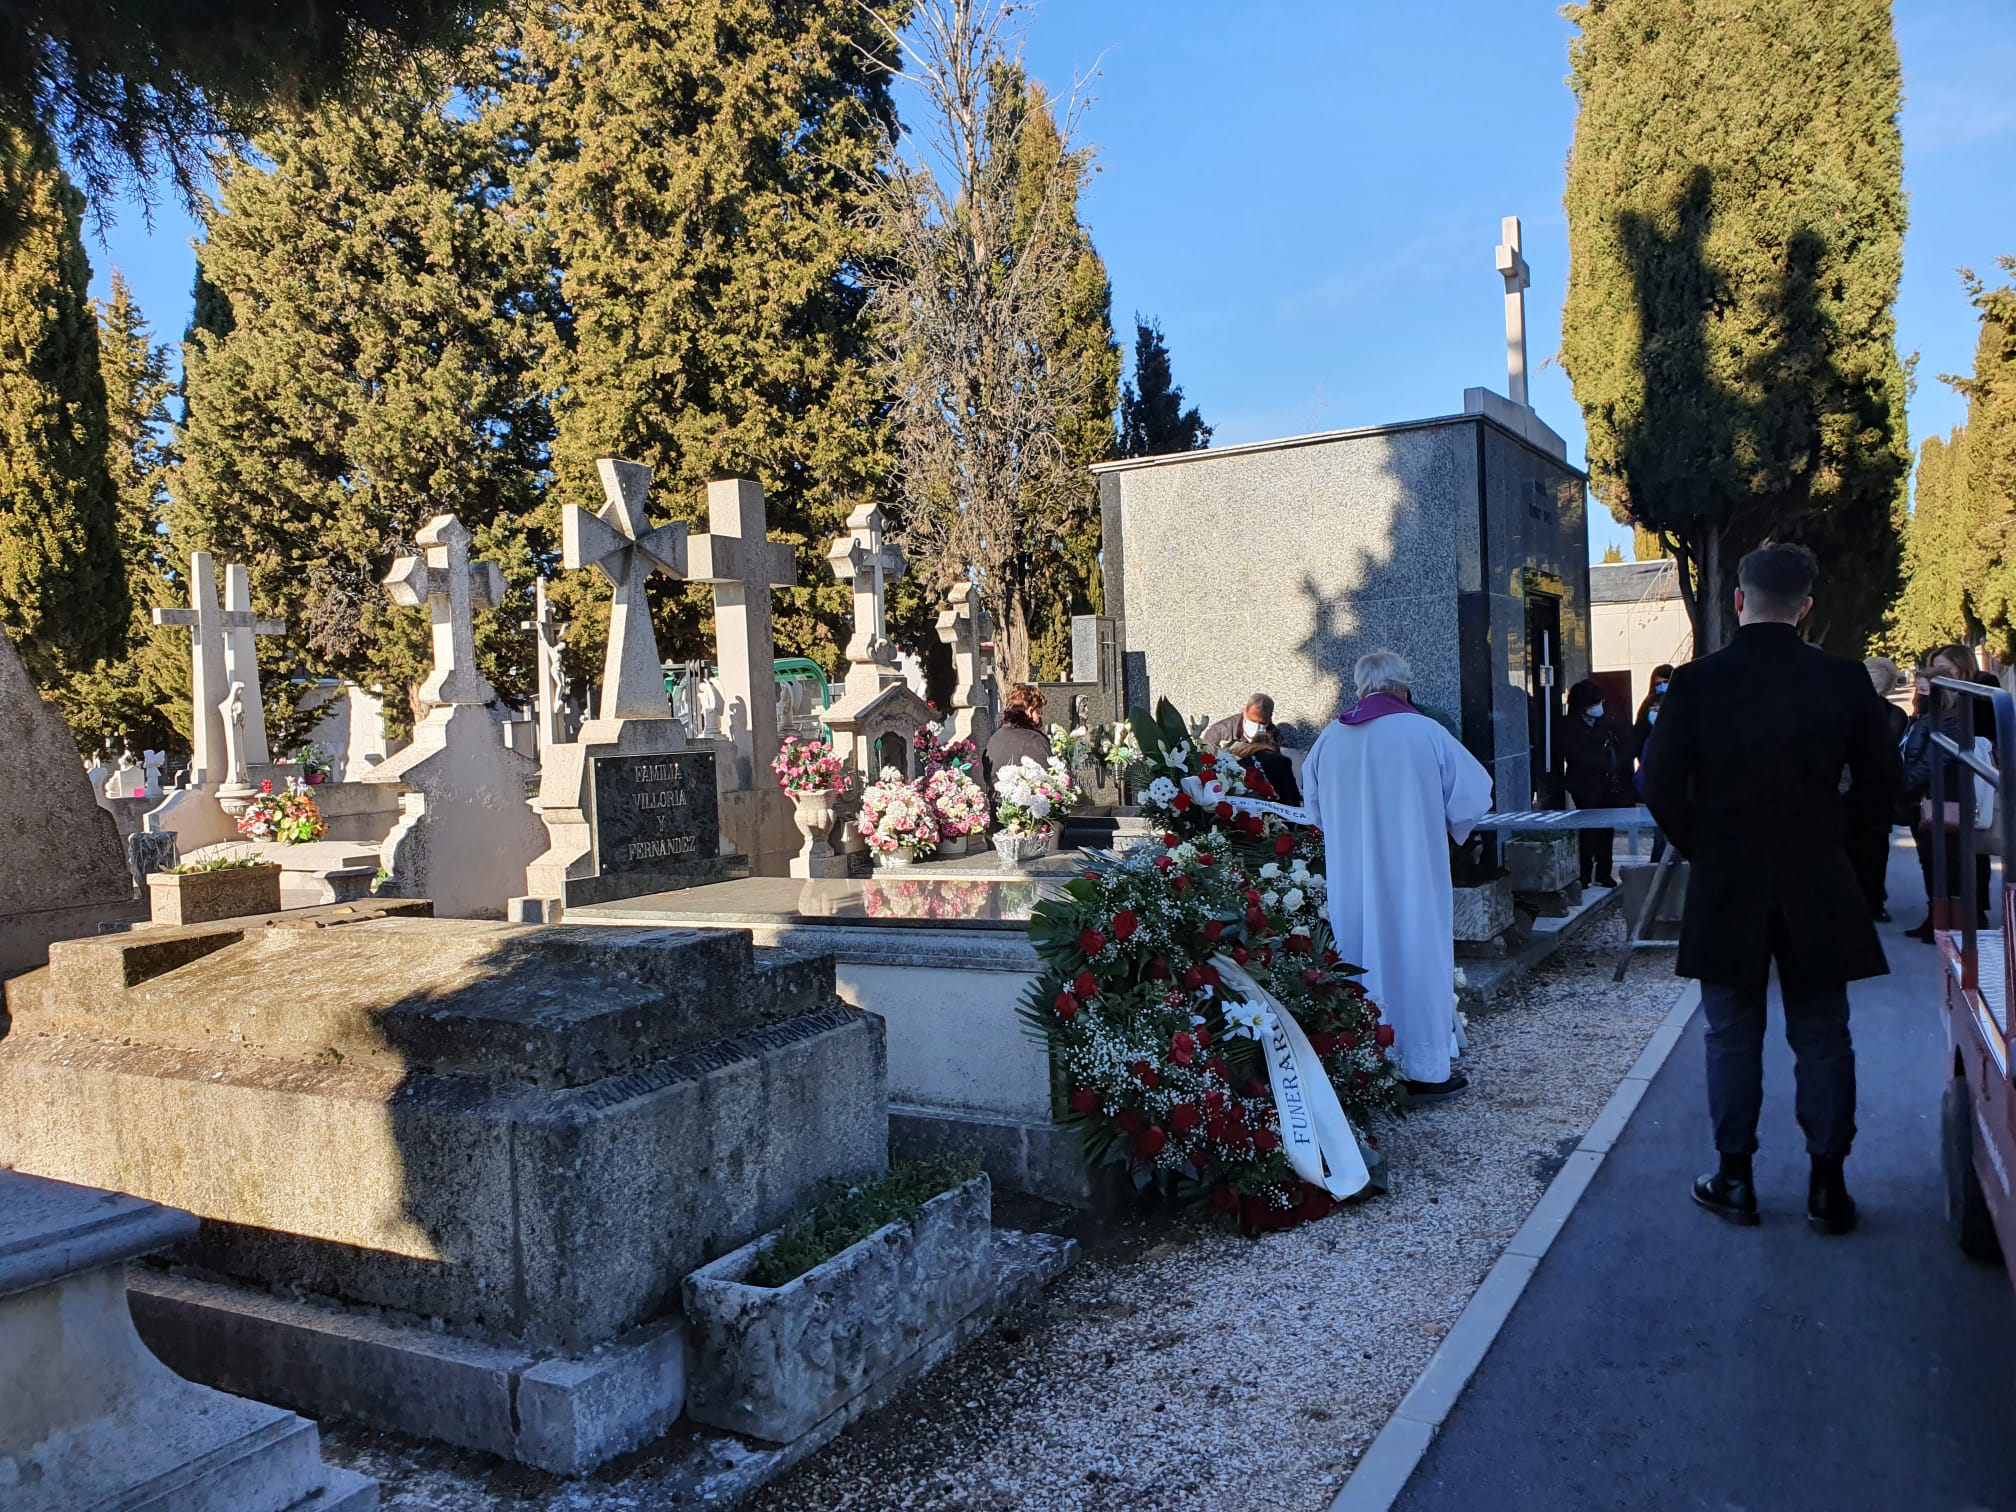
x=1648 y=710
x=1596 y=772
x=1254 y=719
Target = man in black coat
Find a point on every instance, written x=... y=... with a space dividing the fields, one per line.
x=1744 y=776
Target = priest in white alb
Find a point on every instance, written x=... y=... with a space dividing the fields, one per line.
x=1390 y=789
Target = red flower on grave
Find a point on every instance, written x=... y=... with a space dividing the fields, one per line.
x=1299 y=943
x=1255 y=1087
x=1124 y=924
x=1127 y=1120
x=1217 y=1067
x=1348 y=1040
x=1330 y=957
x=1213 y=928
x=1172 y=840
x=1211 y=975
x=265 y=784
x=1178 y=883
x=1265 y=1139
x=1193 y=978
x=1145 y=1074
x=1225 y=1198
x=1205 y=858
x=1182 y=1049
x=1067 y=1006
x=1223 y=811
x=1085 y=985
x=1284 y=845
x=1241 y=955
x=1091 y=941
x=1163 y=863
x=1158 y=970
x=1384 y=1036
x=1151 y=1140
x=1323 y=1044
x=1256 y=916
x=1183 y=1117
x=1181 y=803
x=1084 y=1100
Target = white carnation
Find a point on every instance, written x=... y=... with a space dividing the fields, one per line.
x=1162 y=790
x=1040 y=807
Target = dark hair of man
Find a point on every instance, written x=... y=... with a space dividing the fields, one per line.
x=1778 y=578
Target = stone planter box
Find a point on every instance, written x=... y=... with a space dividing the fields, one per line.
x=1543 y=864
x=1484 y=912
x=199 y=897
x=773 y=1362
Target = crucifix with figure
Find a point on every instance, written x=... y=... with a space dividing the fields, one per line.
x=1518 y=278
x=739 y=560
x=622 y=542
x=864 y=558
x=453 y=588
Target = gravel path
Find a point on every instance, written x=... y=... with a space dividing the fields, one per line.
x=1176 y=1364
x=1213 y=1370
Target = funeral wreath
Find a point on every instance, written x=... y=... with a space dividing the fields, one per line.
x=1208 y=1039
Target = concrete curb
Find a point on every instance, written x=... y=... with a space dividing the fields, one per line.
x=1387 y=1465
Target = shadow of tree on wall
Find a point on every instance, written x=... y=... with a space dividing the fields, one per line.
x=1745 y=423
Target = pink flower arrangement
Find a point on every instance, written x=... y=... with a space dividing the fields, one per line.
x=896 y=816
x=957 y=800
x=289 y=816
x=809 y=766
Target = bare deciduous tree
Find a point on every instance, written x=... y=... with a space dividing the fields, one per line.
x=974 y=259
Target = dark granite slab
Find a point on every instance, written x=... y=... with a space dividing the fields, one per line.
x=657 y=826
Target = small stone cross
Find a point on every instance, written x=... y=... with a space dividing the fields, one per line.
x=1518 y=278
x=963 y=627
x=453 y=588
x=622 y=542
x=871 y=563
x=743 y=564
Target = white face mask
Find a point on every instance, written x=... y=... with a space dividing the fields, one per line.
x=1593 y=713
x=1252 y=729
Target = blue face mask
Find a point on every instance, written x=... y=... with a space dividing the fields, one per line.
x=1658 y=687
x=1651 y=716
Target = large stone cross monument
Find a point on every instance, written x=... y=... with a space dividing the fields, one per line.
x=877 y=714
x=966 y=627
x=1518 y=278
x=452 y=589
x=466 y=832
x=628 y=808
x=742 y=564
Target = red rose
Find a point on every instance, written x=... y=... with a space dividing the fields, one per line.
x=1223 y=811
x=1211 y=975
x=1266 y=955
x=1252 y=895
x=1192 y=979
x=1205 y=858
x=1213 y=928
x=1255 y=1087
x=1214 y=1099
x=1183 y=1117
x=1182 y=1049
x=1199 y=1161
x=1181 y=803
x=1158 y=970
x=1315 y=1204
x=1362 y=1080
x=1084 y=1100
x=1254 y=825
x=1385 y=1035
x=1225 y=1198
x=1151 y=1140
x=1311 y=975
x=1253 y=1214
x=1127 y=1120
x=1178 y=883
x=1163 y=863
x=1256 y=916
x=1265 y=1139
x=1203 y=1037
x=1260 y=786
x=1172 y=840
x=1085 y=985
x=1241 y=955
x=1348 y=1040
x=1323 y=1044
x=1067 y=1006
x=1217 y=1067
x=1330 y=957
x=1284 y=845
x=1300 y=944
x=1124 y=924
x=1145 y=1074
x=1091 y=941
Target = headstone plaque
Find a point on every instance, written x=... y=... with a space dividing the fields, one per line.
x=657 y=825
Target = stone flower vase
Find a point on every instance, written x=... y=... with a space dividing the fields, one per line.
x=817 y=813
x=1017 y=848
x=895 y=860
x=200 y=897
x=950 y=846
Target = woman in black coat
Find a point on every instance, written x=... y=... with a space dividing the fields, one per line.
x=1596 y=770
x=1020 y=734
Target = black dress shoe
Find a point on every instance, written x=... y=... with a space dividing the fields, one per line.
x=1829 y=1208
x=1727 y=1197
x=1609 y=881
x=1922 y=934
x=1433 y=1091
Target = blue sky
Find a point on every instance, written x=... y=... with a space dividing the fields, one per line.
x=1308 y=194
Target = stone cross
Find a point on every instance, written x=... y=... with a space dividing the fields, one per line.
x=551 y=668
x=206 y=669
x=743 y=564
x=453 y=588
x=621 y=540
x=963 y=627
x=241 y=656
x=1512 y=267
x=870 y=563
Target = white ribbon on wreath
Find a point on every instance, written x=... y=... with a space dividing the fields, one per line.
x=1316 y=1134
x=1209 y=793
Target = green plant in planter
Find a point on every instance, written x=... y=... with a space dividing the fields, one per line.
x=235 y=862
x=845 y=1215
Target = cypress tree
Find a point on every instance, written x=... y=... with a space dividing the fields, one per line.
x=375 y=371
x=142 y=696
x=701 y=170
x=1990 y=489
x=1736 y=217
x=1941 y=556
x=62 y=587
x=1153 y=422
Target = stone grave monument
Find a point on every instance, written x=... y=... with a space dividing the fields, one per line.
x=966 y=626
x=877 y=714
x=90 y=1418
x=221 y=652
x=628 y=807
x=451 y=1173
x=466 y=832
x=743 y=565
x=65 y=871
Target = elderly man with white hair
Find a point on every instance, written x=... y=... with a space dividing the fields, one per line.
x=1390 y=788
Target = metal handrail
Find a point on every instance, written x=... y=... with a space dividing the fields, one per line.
x=2000 y=774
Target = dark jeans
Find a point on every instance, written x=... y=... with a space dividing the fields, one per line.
x=1595 y=848
x=1816 y=1027
x=1922 y=835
